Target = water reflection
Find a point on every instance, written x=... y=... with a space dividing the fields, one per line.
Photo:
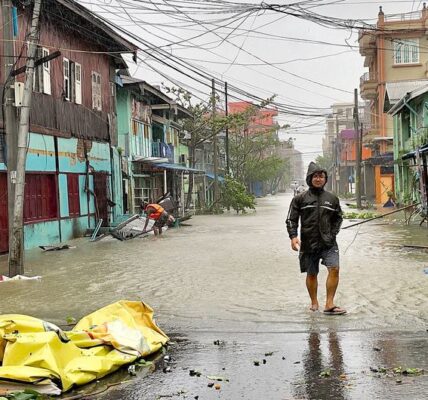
x=322 y=365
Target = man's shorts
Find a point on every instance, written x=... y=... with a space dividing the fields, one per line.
x=309 y=262
x=162 y=220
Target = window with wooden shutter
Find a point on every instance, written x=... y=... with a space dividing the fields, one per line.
x=46 y=71
x=66 y=70
x=40 y=198
x=96 y=91
x=72 y=81
x=73 y=195
x=99 y=92
x=38 y=73
x=78 y=82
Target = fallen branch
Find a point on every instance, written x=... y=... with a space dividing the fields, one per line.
x=381 y=216
x=414 y=246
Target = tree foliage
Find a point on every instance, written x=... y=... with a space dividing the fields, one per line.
x=324 y=162
x=251 y=152
x=235 y=195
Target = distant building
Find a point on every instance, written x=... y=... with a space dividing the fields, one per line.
x=337 y=146
x=341 y=117
x=264 y=120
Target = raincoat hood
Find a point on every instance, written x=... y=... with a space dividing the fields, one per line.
x=313 y=167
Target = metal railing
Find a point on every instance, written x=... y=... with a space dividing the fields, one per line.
x=415 y=15
x=367 y=76
x=161 y=149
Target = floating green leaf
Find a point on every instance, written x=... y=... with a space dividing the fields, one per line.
x=325 y=374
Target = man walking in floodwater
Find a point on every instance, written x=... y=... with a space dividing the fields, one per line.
x=320 y=220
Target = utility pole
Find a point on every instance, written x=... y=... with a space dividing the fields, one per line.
x=214 y=133
x=10 y=118
x=358 y=162
x=360 y=159
x=16 y=249
x=336 y=167
x=227 y=128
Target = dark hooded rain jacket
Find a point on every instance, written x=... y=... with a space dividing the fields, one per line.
x=320 y=216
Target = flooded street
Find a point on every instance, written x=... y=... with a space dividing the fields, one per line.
x=235 y=279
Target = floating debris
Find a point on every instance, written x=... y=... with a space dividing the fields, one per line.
x=325 y=374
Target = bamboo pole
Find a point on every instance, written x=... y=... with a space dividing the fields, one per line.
x=380 y=216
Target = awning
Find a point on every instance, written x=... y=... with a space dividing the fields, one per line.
x=395 y=91
x=178 y=167
x=211 y=176
x=150 y=160
x=412 y=154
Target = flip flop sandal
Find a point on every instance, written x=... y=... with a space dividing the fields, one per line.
x=335 y=311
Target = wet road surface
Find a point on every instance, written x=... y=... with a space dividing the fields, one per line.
x=235 y=279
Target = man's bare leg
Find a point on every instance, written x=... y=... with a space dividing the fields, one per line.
x=331 y=286
x=312 y=286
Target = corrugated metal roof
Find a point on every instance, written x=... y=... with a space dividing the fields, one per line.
x=395 y=91
x=178 y=167
x=406 y=98
x=211 y=176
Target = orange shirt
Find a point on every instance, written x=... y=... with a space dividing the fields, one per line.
x=155 y=211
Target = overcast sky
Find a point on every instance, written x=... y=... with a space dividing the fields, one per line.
x=259 y=52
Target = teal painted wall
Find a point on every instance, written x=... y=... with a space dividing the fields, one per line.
x=123 y=117
x=41 y=153
x=41 y=158
x=117 y=185
x=75 y=227
x=63 y=195
x=71 y=159
x=41 y=234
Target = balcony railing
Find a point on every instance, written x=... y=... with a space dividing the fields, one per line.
x=368 y=86
x=411 y=16
x=366 y=77
x=161 y=149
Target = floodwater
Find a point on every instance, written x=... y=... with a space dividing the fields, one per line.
x=228 y=270
x=236 y=278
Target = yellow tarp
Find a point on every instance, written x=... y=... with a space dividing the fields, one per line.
x=34 y=351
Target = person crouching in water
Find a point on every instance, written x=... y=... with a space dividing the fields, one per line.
x=157 y=213
x=320 y=220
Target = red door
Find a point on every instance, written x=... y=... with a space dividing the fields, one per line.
x=4 y=230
